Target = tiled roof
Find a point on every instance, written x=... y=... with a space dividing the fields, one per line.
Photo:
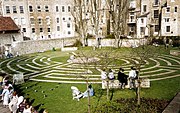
x=7 y=24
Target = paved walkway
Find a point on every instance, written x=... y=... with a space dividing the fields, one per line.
x=174 y=105
x=4 y=110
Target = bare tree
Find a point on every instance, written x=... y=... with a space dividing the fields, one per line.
x=80 y=15
x=118 y=10
x=142 y=53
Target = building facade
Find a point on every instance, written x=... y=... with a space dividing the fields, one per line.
x=48 y=19
x=171 y=18
x=153 y=18
x=41 y=19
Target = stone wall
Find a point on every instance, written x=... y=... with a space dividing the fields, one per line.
x=34 y=46
x=111 y=42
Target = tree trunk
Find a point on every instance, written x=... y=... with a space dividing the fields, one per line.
x=138 y=90
x=89 y=104
x=107 y=89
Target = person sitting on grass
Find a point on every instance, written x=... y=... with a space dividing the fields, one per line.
x=90 y=90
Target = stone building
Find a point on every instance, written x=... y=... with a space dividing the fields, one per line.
x=9 y=34
x=41 y=19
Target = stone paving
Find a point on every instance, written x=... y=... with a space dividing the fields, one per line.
x=3 y=109
x=174 y=105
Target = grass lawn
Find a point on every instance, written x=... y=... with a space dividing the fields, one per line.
x=57 y=97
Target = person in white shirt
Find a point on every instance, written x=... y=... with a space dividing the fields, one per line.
x=132 y=76
x=103 y=74
x=111 y=75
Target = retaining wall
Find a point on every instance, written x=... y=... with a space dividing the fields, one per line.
x=33 y=46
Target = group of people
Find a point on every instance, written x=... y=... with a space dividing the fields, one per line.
x=122 y=77
x=12 y=99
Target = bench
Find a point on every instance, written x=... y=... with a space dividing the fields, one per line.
x=145 y=83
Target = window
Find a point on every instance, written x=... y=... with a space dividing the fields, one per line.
x=69 y=8
x=142 y=30
x=33 y=30
x=41 y=29
x=57 y=20
x=156 y=28
x=14 y=9
x=156 y=13
x=46 y=8
x=142 y=20
x=69 y=32
x=68 y=25
x=69 y=18
x=48 y=20
x=30 y=9
x=57 y=9
x=39 y=8
x=63 y=9
x=49 y=36
x=21 y=9
x=132 y=29
x=168 y=9
x=132 y=19
x=175 y=9
x=166 y=19
x=156 y=2
x=144 y=8
x=24 y=29
x=49 y=29
x=167 y=28
x=58 y=28
x=40 y=21
x=23 y=21
x=32 y=20
x=7 y=9
x=16 y=21
x=63 y=18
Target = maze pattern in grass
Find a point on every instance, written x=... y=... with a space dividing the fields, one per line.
x=44 y=68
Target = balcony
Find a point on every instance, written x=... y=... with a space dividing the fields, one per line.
x=131 y=8
x=131 y=21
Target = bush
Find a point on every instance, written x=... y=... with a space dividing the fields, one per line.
x=78 y=43
x=130 y=106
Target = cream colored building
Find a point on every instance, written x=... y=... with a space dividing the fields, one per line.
x=41 y=19
x=171 y=18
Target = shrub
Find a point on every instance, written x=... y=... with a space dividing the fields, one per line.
x=130 y=106
x=78 y=43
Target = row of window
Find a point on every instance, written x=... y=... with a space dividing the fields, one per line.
x=41 y=29
x=46 y=8
x=168 y=9
x=14 y=9
x=156 y=29
x=32 y=20
x=33 y=30
x=39 y=9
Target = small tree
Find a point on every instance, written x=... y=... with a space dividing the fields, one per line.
x=143 y=53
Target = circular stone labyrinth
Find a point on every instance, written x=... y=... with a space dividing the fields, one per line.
x=45 y=69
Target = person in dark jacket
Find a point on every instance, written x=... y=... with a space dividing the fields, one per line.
x=122 y=78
